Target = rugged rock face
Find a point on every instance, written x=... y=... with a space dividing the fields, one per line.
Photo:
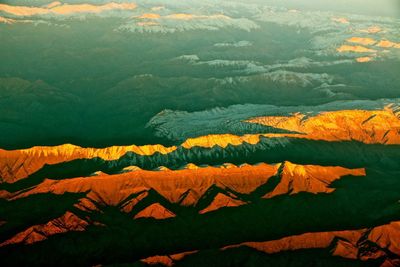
x=379 y=242
x=199 y=133
x=17 y=164
x=67 y=222
x=220 y=201
x=188 y=186
x=156 y=211
x=386 y=237
x=172 y=185
x=370 y=127
x=209 y=188
x=364 y=244
x=159 y=186
x=178 y=126
x=164 y=196
x=313 y=179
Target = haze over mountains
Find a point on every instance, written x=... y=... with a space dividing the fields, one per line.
x=199 y=133
x=79 y=61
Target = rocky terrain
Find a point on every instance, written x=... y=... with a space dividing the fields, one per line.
x=229 y=133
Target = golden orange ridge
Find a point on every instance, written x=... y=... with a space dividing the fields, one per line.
x=221 y=201
x=348 y=243
x=67 y=222
x=168 y=260
x=310 y=178
x=371 y=127
x=18 y=164
x=114 y=189
x=156 y=211
x=186 y=187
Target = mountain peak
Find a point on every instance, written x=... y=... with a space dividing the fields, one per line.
x=309 y=178
x=156 y=211
x=220 y=201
